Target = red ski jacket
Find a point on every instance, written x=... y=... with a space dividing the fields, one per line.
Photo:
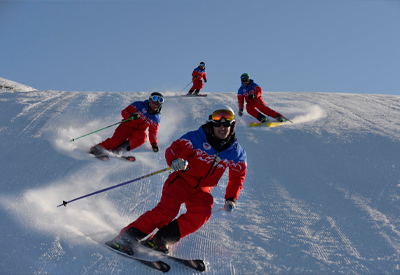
x=244 y=92
x=145 y=121
x=206 y=166
x=199 y=74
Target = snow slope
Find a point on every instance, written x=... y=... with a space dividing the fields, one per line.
x=321 y=195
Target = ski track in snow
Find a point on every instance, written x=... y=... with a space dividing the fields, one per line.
x=308 y=206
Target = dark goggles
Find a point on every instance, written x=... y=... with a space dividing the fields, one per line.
x=156 y=98
x=219 y=124
x=245 y=79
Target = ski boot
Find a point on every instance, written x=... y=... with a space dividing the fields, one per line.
x=157 y=244
x=190 y=92
x=122 y=148
x=280 y=118
x=264 y=120
x=98 y=152
x=125 y=241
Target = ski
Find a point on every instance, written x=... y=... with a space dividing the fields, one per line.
x=199 y=95
x=265 y=124
x=103 y=158
x=195 y=264
x=128 y=158
x=158 y=265
x=107 y=157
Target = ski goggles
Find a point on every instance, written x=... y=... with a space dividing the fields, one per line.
x=156 y=98
x=218 y=115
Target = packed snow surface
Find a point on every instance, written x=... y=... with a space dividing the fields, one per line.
x=321 y=194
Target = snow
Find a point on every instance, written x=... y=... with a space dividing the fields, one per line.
x=8 y=86
x=321 y=195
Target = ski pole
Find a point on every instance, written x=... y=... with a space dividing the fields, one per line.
x=101 y=129
x=220 y=209
x=187 y=85
x=248 y=116
x=268 y=107
x=115 y=186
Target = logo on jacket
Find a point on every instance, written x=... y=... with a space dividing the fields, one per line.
x=206 y=146
x=144 y=111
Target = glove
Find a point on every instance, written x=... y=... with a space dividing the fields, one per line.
x=134 y=116
x=179 y=164
x=229 y=205
x=155 y=147
x=252 y=96
x=205 y=80
x=240 y=112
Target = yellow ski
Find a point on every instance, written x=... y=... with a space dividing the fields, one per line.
x=267 y=124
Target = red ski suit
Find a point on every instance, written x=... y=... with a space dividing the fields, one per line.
x=134 y=130
x=193 y=186
x=256 y=103
x=198 y=75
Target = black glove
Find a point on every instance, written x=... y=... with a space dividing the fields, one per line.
x=134 y=116
x=240 y=112
x=155 y=147
x=205 y=80
x=252 y=96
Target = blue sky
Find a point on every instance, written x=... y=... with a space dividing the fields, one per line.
x=289 y=46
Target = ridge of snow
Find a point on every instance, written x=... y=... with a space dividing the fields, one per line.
x=8 y=86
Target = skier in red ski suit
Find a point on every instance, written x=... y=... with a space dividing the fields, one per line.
x=132 y=134
x=198 y=75
x=199 y=159
x=251 y=92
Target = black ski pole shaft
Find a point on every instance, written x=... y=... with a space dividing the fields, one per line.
x=114 y=186
x=101 y=129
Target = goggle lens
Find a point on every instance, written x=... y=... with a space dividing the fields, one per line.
x=219 y=114
x=157 y=98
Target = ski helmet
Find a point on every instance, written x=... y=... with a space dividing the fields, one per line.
x=222 y=113
x=244 y=76
x=203 y=64
x=156 y=97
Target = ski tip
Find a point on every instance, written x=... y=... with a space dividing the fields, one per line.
x=198 y=265
x=129 y=158
x=160 y=265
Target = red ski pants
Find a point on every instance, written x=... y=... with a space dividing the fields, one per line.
x=197 y=84
x=136 y=137
x=257 y=105
x=199 y=203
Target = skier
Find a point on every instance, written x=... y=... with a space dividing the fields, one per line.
x=132 y=134
x=198 y=74
x=199 y=159
x=251 y=92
